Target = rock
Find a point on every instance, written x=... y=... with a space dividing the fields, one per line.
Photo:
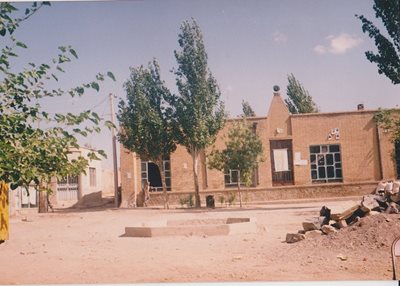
x=327 y=229
x=340 y=224
x=389 y=187
x=313 y=233
x=369 y=203
x=395 y=198
x=294 y=237
x=325 y=212
x=301 y=231
x=372 y=213
x=315 y=223
x=396 y=187
x=392 y=208
x=380 y=188
x=346 y=214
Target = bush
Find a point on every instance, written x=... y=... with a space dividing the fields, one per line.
x=188 y=201
x=231 y=198
x=221 y=199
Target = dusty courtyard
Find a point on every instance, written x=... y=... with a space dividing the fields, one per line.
x=86 y=246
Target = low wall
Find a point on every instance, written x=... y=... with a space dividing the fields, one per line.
x=254 y=195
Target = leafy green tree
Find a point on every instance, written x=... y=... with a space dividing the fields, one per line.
x=243 y=152
x=247 y=110
x=299 y=100
x=388 y=56
x=146 y=118
x=29 y=153
x=389 y=119
x=198 y=111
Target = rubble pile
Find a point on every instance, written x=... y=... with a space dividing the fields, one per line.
x=385 y=199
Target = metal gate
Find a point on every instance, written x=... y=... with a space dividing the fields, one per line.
x=281 y=162
x=67 y=189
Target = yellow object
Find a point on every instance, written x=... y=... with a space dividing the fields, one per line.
x=4 y=218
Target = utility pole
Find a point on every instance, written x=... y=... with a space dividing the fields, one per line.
x=114 y=145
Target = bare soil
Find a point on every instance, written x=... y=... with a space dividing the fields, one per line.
x=86 y=246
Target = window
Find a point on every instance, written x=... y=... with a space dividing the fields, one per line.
x=232 y=177
x=92 y=177
x=326 y=163
x=150 y=172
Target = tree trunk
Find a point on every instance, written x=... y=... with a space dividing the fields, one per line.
x=43 y=206
x=195 y=157
x=164 y=186
x=239 y=191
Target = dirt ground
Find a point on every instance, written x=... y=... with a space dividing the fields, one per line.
x=86 y=246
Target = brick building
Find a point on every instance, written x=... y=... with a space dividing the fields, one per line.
x=306 y=155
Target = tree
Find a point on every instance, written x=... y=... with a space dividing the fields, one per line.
x=299 y=100
x=388 y=56
x=247 y=110
x=243 y=152
x=146 y=118
x=199 y=114
x=29 y=153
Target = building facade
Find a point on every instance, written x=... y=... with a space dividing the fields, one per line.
x=69 y=190
x=302 y=150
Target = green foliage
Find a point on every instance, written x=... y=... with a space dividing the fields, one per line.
x=188 y=201
x=29 y=153
x=231 y=198
x=388 y=56
x=198 y=112
x=243 y=152
x=247 y=110
x=389 y=120
x=221 y=200
x=146 y=117
x=299 y=100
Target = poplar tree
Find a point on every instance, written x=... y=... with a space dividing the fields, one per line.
x=388 y=56
x=198 y=111
x=247 y=110
x=145 y=118
x=299 y=100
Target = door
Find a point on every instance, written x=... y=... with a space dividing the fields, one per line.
x=67 y=189
x=281 y=162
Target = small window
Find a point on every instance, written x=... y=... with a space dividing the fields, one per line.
x=232 y=178
x=92 y=177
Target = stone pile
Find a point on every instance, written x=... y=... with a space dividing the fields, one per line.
x=385 y=198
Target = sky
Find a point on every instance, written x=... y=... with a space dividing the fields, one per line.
x=252 y=45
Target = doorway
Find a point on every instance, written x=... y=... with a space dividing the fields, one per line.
x=281 y=162
x=151 y=173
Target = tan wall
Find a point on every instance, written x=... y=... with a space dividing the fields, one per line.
x=130 y=177
x=387 y=156
x=358 y=143
x=182 y=171
x=279 y=125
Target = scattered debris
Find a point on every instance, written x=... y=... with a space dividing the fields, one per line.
x=294 y=237
x=327 y=229
x=385 y=199
x=342 y=257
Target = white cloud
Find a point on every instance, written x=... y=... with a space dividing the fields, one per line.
x=279 y=37
x=338 y=44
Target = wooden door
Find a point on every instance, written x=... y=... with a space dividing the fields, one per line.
x=282 y=162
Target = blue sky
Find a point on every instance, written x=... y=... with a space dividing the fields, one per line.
x=252 y=45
